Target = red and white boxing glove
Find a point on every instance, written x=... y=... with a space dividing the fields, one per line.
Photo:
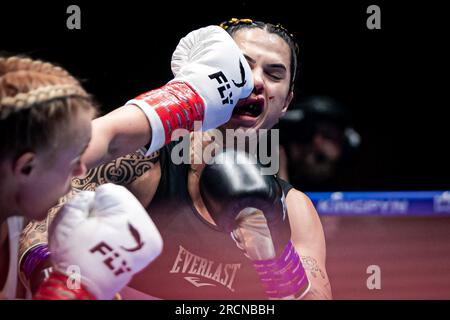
x=211 y=76
x=102 y=239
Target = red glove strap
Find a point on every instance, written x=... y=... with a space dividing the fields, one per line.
x=55 y=288
x=177 y=105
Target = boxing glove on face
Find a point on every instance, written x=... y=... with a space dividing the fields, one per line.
x=212 y=63
x=210 y=76
x=106 y=236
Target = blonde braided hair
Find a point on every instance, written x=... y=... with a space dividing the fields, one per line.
x=37 y=100
x=40 y=95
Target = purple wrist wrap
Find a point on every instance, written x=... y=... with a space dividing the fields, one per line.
x=33 y=258
x=283 y=276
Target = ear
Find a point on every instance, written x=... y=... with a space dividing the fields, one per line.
x=24 y=165
x=287 y=102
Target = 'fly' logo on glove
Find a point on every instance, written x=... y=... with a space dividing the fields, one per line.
x=137 y=238
x=243 y=81
x=225 y=84
x=111 y=255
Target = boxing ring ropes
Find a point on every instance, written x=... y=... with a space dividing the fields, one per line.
x=386 y=203
x=404 y=233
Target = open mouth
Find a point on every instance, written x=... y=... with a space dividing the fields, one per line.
x=250 y=107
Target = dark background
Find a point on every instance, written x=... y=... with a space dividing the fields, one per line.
x=393 y=79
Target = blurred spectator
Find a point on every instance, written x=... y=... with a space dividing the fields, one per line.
x=316 y=137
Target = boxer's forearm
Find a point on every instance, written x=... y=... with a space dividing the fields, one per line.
x=320 y=288
x=309 y=240
x=35 y=238
x=116 y=134
x=121 y=171
x=36 y=231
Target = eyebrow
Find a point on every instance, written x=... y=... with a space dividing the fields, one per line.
x=272 y=65
x=277 y=66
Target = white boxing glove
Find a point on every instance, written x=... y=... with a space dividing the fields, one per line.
x=211 y=76
x=106 y=235
x=212 y=63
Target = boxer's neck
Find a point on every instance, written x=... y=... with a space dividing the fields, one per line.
x=8 y=204
x=197 y=201
x=4 y=255
x=203 y=146
x=198 y=142
x=197 y=164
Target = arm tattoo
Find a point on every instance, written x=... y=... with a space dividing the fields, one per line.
x=320 y=288
x=121 y=171
x=36 y=231
x=310 y=264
